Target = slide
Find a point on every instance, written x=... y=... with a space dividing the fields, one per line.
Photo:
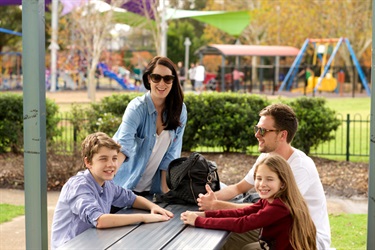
x=110 y=74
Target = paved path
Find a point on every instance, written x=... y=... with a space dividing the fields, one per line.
x=12 y=234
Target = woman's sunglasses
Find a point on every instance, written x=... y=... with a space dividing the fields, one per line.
x=156 y=78
x=263 y=131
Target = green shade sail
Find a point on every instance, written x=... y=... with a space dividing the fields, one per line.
x=231 y=22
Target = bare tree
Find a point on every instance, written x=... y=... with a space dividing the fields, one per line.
x=152 y=10
x=91 y=27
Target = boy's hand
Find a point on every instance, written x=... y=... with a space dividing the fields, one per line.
x=149 y=218
x=161 y=211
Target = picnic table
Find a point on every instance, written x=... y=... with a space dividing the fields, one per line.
x=172 y=234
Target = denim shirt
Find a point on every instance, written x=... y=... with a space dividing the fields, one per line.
x=137 y=136
x=81 y=202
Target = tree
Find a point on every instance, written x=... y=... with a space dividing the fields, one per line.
x=177 y=32
x=11 y=19
x=287 y=25
x=283 y=23
x=91 y=28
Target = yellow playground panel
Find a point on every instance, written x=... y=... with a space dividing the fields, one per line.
x=328 y=84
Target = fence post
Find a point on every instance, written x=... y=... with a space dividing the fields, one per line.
x=347 y=137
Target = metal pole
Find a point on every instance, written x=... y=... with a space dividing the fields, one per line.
x=164 y=29
x=34 y=116
x=371 y=171
x=347 y=137
x=277 y=73
x=222 y=73
x=187 y=44
x=54 y=47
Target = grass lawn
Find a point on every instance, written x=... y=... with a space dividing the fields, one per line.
x=349 y=231
x=8 y=212
x=359 y=109
x=345 y=105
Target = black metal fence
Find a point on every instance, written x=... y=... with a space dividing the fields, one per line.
x=352 y=138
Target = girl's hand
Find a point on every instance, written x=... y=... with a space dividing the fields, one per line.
x=189 y=217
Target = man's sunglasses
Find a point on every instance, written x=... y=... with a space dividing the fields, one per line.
x=156 y=78
x=262 y=131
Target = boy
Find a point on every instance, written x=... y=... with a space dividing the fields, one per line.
x=85 y=200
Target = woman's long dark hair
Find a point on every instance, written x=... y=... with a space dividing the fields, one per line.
x=175 y=98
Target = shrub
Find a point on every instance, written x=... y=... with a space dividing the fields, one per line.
x=11 y=122
x=106 y=115
x=316 y=122
x=222 y=120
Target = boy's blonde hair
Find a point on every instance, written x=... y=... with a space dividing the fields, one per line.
x=93 y=142
x=303 y=232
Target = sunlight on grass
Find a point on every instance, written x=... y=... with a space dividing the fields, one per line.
x=348 y=231
x=352 y=106
x=8 y=212
x=359 y=110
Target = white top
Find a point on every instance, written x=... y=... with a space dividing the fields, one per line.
x=191 y=73
x=199 y=73
x=308 y=182
x=159 y=150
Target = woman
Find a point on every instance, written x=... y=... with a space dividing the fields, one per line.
x=151 y=130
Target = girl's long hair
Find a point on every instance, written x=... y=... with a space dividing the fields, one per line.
x=303 y=231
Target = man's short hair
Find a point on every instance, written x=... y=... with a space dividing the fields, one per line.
x=284 y=117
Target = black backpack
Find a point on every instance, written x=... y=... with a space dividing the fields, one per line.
x=187 y=177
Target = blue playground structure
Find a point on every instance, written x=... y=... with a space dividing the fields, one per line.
x=325 y=82
x=11 y=32
x=112 y=75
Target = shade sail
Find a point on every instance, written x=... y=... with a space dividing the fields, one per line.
x=16 y=2
x=140 y=7
x=231 y=22
x=247 y=50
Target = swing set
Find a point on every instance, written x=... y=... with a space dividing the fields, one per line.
x=324 y=50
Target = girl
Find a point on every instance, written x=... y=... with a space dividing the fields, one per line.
x=281 y=213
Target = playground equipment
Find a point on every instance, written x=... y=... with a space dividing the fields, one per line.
x=325 y=82
x=112 y=75
x=10 y=70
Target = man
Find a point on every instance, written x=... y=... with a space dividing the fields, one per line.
x=275 y=131
x=200 y=75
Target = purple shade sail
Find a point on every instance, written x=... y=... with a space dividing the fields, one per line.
x=16 y=2
x=140 y=7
